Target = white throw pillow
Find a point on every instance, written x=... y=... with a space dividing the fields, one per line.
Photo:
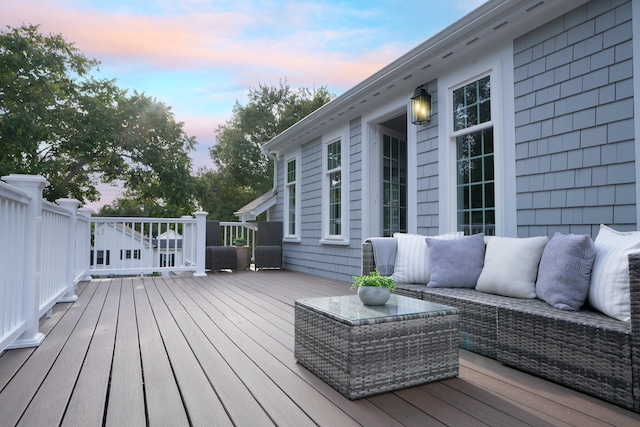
x=609 y=288
x=412 y=257
x=511 y=266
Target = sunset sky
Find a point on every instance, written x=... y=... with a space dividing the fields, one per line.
x=200 y=56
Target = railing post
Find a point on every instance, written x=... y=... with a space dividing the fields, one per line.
x=70 y=205
x=187 y=237
x=85 y=244
x=33 y=186
x=201 y=239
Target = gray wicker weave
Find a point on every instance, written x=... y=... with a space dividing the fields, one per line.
x=268 y=250
x=364 y=350
x=217 y=256
x=584 y=350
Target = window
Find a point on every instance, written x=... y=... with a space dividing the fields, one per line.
x=473 y=136
x=167 y=260
x=102 y=257
x=394 y=182
x=292 y=196
x=334 y=176
x=130 y=253
x=335 y=190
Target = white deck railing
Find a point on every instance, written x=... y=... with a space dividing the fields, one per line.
x=137 y=246
x=40 y=243
x=13 y=228
x=235 y=230
x=47 y=248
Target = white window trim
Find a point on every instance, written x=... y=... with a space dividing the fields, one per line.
x=297 y=156
x=500 y=68
x=343 y=238
x=372 y=164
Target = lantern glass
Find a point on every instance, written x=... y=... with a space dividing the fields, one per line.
x=420 y=107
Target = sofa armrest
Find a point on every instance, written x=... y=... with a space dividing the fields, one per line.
x=381 y=248
x=634 y=291
x=368 y=262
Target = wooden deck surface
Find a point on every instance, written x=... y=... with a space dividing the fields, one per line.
x=218 y=350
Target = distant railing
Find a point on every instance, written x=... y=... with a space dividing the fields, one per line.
x=136 y=246
x=239 y=230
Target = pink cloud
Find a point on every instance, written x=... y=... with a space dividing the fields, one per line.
x=209 y=40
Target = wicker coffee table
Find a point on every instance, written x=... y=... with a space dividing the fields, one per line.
x=364 y=350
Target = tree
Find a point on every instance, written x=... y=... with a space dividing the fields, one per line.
x=59 y=122
x=242 y=170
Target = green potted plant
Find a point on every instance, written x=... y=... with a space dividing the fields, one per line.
x=240 y=241
x=374 y=289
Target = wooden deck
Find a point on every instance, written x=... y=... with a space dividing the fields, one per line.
x=218 y=350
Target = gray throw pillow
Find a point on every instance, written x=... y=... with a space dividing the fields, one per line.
x=564 y=273
x=456 y=263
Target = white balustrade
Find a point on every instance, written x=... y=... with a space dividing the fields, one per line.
x=53 y=256
x=136 y=246
x=47 y=248
x=13 y=225
x=30 y=334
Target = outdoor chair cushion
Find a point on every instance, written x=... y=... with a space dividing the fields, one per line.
x=456 y=263
x=412 y=257
x=511 y=266
x=565 y=271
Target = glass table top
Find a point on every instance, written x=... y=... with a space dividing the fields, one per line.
x=350 y=310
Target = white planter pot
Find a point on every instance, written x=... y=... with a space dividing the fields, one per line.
x=373 y=295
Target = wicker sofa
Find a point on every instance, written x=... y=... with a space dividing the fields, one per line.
x=584 y=350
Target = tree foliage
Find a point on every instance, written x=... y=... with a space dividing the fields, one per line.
x=59 y=122
x=242 y=171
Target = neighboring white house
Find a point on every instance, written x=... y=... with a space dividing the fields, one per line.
x=168 y=249
x=532 y=131
x=117 y=246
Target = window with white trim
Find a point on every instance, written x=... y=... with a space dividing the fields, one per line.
x=335 y=191
x=292 y=197
x=334 y=180
x=473 y=137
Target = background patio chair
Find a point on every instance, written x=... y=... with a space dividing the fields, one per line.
x=217 y=256
x=268 y=251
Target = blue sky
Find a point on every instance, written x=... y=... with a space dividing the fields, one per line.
x=200 y=56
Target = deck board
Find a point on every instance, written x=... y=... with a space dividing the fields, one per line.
x=233 y=394
x=201 y=401
x=164 y=402
x=87 y=402
x=126 y=395
x=17 y=394
x=60 y=380
x=182 y=350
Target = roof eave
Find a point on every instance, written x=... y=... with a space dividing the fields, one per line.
x=420 y=58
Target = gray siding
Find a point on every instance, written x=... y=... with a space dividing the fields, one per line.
x=427 y=170
x=332 y=261
x=574 y=122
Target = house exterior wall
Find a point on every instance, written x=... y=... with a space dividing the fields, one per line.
x=575 y=142
x=567 y=138
x=427 y=170
x=338 y=262
x=116 y=241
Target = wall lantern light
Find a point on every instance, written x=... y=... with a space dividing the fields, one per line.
x=420 y=106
